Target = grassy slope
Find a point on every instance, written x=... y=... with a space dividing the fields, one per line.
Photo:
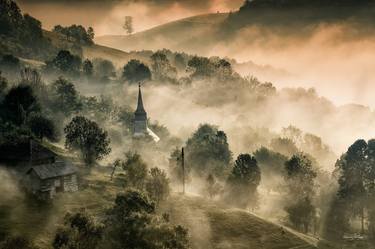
x=212 y=226
x=184 y=33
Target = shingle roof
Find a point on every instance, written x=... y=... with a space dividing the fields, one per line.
x=53 y=170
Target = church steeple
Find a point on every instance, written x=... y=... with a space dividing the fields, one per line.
x=140 y=116
x=140 y=108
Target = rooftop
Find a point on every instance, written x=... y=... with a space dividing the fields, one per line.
x=46 y=171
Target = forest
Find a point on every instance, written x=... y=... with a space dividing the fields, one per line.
x=238 y=161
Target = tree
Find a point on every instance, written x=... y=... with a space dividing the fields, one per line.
x=284 y=146
x=128 y=25
x=300 y=179
x=91 y=33
x=179 y=61
x=132 y=223
x=86 y=136
x=270 y=162
x=65 y=62
x=88 y=68
x=244 y=181
x=33 y=28
x=370 y=187
x=162 y=68
x=212 y=186
x=64 y=97
x=135 y=170
x=353 y=169
x=104 y=69
x=80 y=232
x=42 y=127
x=201 y=67
x=76 y=33
x=157 y=185
x=18 y=104
x=207 y=151
x=135 y=71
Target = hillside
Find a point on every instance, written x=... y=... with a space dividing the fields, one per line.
x=212 y=226
x=189 y=33
x=217 y=32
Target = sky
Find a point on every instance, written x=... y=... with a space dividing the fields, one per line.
x=107 y=16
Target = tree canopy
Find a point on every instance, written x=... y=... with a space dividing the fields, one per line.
x=207 y=151
x=135 y=71
x=87 y=137
x=244 y=180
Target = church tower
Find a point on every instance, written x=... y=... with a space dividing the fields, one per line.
x=140 y=117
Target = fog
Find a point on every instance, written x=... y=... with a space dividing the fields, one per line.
x=335 y=59
x=325 y=91
x=107 y=17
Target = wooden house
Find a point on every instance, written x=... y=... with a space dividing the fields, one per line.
x=46 y=180
x=44 y=173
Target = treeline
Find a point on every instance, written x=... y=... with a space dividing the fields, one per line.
x=236 y=182
x=285 y=16
x=21 y=34
x=308 y=196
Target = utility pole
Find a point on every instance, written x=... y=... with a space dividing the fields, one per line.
x=183 y=169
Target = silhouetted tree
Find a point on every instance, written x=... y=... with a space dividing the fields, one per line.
x=64 y=97
x=244 y=181
x=207 y=151
x=135 y=170
x=352 y=181
x=65 y=62
x=76 y=33
x=87 y=137
x=270 y=162
x=91 y=33
x=88 y=68
x=128 y=25
x=135 y=71
x=18 y=104
x=162 y=68
x=132 y=223
x=300 y=179
x=157 y=185
x=79 y=232
x=104 y=69
x=42 y=127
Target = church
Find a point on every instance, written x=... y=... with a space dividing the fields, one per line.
x=140 y=120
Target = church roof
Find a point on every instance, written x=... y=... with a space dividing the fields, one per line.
x=140 y=108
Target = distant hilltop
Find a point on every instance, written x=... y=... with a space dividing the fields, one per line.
x=304 y=3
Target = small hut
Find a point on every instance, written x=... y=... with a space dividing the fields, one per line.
x=46 y=180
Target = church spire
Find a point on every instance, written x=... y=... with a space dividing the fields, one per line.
x=140 y=108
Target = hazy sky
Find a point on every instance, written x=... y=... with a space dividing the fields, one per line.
x=107 y=16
